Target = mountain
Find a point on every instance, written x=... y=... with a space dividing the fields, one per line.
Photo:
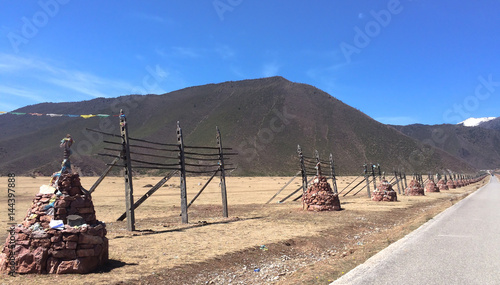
x=262 y=119
x=477 y=145
x=474 y=122
x=491 y=124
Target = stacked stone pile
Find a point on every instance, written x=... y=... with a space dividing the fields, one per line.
x=451 y=184
x=60 y=233
x=442 y=185
x=431 y=187
x=384 y=192
x=320 y=197
x=415 y=189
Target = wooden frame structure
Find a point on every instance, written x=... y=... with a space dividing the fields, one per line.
x=177 y=158
x=307 y=168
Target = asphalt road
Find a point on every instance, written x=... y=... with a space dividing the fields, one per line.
x=459 y=246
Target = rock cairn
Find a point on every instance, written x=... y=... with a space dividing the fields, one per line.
x=384 y=192
x=451 y=184
x=414 y=189
x=431 y=186
x=60 y=233
x=442 y=185
x=319 y=196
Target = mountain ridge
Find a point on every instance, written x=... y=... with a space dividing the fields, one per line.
x=262 y=119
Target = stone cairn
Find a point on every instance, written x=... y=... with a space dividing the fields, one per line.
x=451 y=184
x=458 y=183
x=384 y=192
x=431 y=186
x=319 y=196
x=60 y=233
x=414 y=189
x=442 y=185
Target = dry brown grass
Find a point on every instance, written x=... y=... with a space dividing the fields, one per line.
x=162 y=245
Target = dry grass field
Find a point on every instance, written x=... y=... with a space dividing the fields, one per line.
x=257 y=244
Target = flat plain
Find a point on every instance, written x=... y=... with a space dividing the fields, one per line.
x=258 y=243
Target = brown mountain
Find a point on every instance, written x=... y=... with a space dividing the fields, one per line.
x=493 y=124
x=262 y=119
x=477 y=145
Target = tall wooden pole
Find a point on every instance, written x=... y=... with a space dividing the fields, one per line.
x=222 y=175
x=397 y=181
x=374 y=177
x=182 y=162
x=302 y=169
x=304 y=174
x=367 y=181
x=127 y=174
x=334 y=178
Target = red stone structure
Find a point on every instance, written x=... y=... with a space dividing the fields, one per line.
x=415 y=189
x=451 y=184
x=320 y=196
x=384 y=192
x=442 y=185
x=60 y=233
x=431 y=187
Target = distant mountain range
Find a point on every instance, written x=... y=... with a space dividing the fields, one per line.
x=262 y=119
x=474 y=122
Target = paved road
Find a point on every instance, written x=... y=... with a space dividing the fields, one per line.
x=459 y=246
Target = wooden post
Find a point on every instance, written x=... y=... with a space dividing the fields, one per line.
x=379 y=172
x=367 y=181
x=127 y=174
x=222 y=175
x=304 y=173
x=182 y=162
x=374 y=178
x=334 y=178
x=302 y=169
x=397 y=181
x=404 y=178
x=105 y=173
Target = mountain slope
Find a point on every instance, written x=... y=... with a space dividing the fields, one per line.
x=262 y=119
x=492 y=124
x=477 y=145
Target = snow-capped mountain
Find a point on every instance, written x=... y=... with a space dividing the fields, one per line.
x=474 y=122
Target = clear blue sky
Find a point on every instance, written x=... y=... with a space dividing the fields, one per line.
x=400 y=62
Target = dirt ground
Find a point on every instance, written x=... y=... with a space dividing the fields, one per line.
x=258 y=244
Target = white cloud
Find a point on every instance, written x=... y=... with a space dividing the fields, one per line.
x=17 y=92
x=188 y=51
x=38 y=73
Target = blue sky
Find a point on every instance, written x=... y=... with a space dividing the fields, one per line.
x=400 y=62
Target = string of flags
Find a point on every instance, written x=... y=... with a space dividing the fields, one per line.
x=61 y=115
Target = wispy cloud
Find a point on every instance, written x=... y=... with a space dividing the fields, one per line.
x=223 y=51
x=188 y=51
x=17 y=92
x=40 y=73
x=270 y=69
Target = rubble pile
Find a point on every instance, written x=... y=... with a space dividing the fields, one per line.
x=431 y=186
x=415 y=189
x=384 y=192
x=60 y=233
x=320 y=197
